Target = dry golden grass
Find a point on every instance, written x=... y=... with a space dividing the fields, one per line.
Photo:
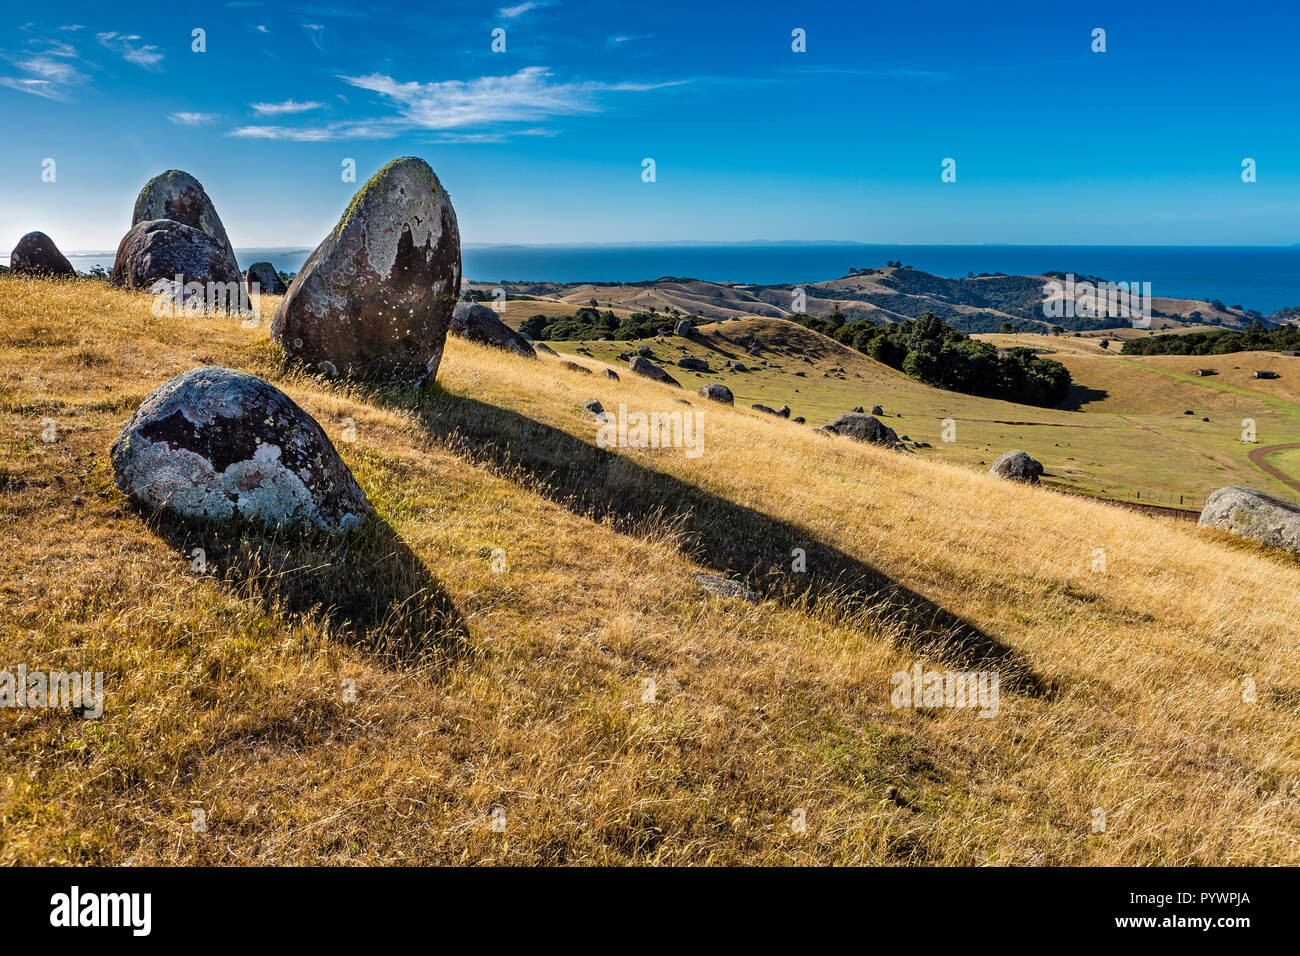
x=1122 y=690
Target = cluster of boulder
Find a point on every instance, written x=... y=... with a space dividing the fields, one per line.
x=376 y=300
x=864 y=428
x=175 y=230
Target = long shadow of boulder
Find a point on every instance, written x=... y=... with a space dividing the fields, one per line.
x=366 y=585
x=718 y=533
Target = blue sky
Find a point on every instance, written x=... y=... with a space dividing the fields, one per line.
x=544 y=143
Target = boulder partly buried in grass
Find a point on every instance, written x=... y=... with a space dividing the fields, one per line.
x=1017 y=466
x=376 y=297
x=1255 y=515
x=480 y=324
x=717 y=392
x=650 y=370
x=215 y=443
x=37 y=255
x=865 y=428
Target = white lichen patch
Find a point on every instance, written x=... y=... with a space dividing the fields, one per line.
x=214 y=443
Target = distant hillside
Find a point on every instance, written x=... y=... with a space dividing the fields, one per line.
x=985 y=303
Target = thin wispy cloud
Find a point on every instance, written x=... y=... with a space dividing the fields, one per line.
x=612 y=42
x=128 y=47
x=52 y=73
x=315 y=31
x=484 y=109
x=288 y=107
x=318 y=134
x=513 y=13
x=192 y=119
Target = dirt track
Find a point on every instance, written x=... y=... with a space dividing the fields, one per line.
x=1257 y=459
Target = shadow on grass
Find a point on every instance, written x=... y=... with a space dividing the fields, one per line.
x=728 y=538
x=367 y=585
x=1079 y=395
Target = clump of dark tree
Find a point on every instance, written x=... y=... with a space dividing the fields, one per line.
x=1253 y=338
x=930 y=351
x=591 y=323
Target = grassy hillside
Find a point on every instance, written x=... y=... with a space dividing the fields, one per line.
x=1124 y=435
x=977 y=304
x=525 y=688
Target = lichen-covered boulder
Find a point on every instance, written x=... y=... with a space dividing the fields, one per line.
x=266 y=279
x=684 y=328
x=478 y=323
x=865 y=428
x=37 y=255
x=652 y=371
x=217 y=443
x=716 y=391
x=1253 y=514
x=376 y=297
x=178 y=196
x=693 y=364
x=1016 y=466
x=164 y=249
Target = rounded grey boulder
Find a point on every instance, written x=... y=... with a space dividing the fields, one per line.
x=1253 y=514
x=865 y=428
x=717 y=392
x=267 y=279
x=1016 y=466
x=478 y=323
x=164 y=248
x=684 y=328
x=178 y=196
x=37 y=255
x=652 y=371
x=217 y=443
x=376 y=297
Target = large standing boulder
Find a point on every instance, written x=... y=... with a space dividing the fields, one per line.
x=164 y=248
x=178 y=196
x=267 y=279
x=650 y=370
x=1016 y=466
x=865 y=428
x=478 y=323
x=376 y=297
x=684 y=328
x=217 y=443
x=1253 y=514
x=37 y=255
x=717 y=392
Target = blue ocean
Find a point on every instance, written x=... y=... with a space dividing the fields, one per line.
x=1266 y=278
